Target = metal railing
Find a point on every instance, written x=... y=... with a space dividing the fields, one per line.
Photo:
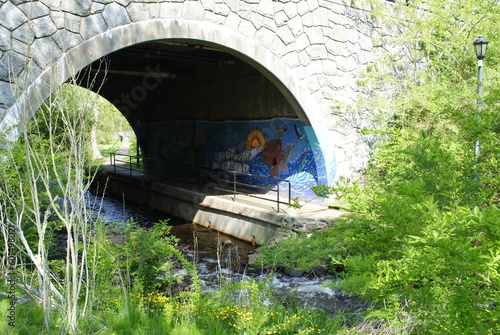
x=144 y=166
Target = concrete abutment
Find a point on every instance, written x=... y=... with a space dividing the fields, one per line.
x=246 y=218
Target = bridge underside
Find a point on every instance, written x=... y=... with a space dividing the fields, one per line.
x=198 y=110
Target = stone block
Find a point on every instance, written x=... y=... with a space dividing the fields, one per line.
x=3 y=110
x=313 y=4
x=233 y=4
x=124 y=3
x=247 y=28
x=115 y=15
x=43 y=27
x=340 y=34
x=307 y=20
x=336 y=18
x=97 y=8
x=312 y=84
x=72 y=22
x=290 y=9
x=304 y=58
x=154 y=10
x=285 y=35
x=77 y=7
x=54 y=5
x=92 y=25
x=323 y=80
x=280 y=18
x=138 y=12
x=365 y=57
x=24 y=34
x=257 y=20
x=315 y=68
x=11 y=17
x=329 y=93
x=278 y=47
x=212 y=17
x=193 y=10
x=365 y=43
x=5 y=39
x=320 y=17
x=302 y=8
x=317 y=51
x=291 y=59
x=171 y=11
x=67 y=39
x=266 y=8
x=329 y=67
x=315 y=35
x=6 y=95
x=270 y=24
x=265 y=37
x=34 y=10
x=233 y=21
x=11 y=66
x=222 y=9
x=20 y=47
x=278 y=6
x=338 y=82
x=302 y=42
x=208 y=5
x=58 y=19
x=295 y=26
x=244 y=13
x=45 y=51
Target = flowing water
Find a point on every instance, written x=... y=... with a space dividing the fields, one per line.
x=222 y=258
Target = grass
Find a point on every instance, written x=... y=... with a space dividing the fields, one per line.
x=109 y=148
x=212 y=314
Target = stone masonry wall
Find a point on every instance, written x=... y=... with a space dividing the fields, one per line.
x=320 y=46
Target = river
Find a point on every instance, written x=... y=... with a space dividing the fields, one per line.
x=222 y=258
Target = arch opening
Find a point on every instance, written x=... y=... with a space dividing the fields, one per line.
x=282 y=113
x=199 y=110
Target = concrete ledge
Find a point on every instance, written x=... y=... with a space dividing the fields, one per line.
x=246 y=218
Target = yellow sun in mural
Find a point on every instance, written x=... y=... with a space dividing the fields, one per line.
x=255 y=138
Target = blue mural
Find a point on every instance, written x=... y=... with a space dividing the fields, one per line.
x=274 y=149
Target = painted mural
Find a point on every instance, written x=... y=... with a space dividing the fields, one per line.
x=275 y=149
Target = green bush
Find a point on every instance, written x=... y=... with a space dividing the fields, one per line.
x=446 y=275
x=146 y=260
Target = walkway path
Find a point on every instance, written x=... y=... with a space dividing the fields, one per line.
x=124 y=148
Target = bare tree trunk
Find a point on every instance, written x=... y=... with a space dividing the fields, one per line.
x=44 y=181
x=96 y=154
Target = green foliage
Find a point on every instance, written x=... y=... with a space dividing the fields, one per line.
x=147 y=260
x=322 y=190
x=110 y=122
x=295 y=203
x=446 y=274
x=247 y=307
x=423 y=239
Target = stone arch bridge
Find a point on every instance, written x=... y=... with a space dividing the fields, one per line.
x=241 y=85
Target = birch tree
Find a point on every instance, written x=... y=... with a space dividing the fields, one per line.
x=43 y=188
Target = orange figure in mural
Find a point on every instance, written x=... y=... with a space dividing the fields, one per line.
x=272 y=154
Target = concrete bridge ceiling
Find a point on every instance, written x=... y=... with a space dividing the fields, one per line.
x=174 y=80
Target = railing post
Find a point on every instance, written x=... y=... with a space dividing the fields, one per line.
x=289 y=193
x=130 y=164
x=234 y=186
x=278 y=202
